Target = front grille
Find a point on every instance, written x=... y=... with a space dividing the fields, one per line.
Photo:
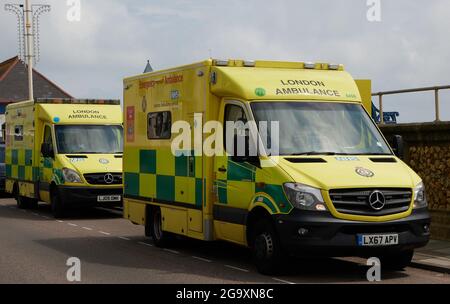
x=99 y=179
x=356 y=201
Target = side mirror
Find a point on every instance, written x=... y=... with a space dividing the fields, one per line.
x=398 y=146
x=47 y=150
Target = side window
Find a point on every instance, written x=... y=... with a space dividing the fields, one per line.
x=18 y=133
x=233 y=113
x=159 y=125
x=48 y=136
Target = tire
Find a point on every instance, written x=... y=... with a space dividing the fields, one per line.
x=267 y=252
x=398 y=261
x=33 y=203
x=58 y=208
x=153 y=228
x=24 y=202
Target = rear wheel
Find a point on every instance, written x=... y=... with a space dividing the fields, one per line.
x=153 y=228
x=397 y=261
x=58 y=208
x=267 y=251
x=22 y=201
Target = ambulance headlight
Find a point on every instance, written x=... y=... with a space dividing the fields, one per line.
x=420 y=199
x=71 y=176
x=305 y=197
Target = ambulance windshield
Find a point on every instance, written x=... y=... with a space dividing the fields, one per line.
x=89 y=139
x=321 y=128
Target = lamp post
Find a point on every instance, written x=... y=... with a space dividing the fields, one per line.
x=28 y=29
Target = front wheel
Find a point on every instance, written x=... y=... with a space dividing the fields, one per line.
x=153 y=228
x=267 y=251
x=58 y=208
x=397 y=261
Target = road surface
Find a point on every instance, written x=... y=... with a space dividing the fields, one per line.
x=34 y=248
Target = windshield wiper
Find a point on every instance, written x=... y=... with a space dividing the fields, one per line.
x=316 y=153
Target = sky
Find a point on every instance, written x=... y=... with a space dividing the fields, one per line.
x=409 y=47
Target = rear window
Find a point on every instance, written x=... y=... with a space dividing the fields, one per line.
x=159 y=125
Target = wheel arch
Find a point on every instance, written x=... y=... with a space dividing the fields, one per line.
x=257 y=213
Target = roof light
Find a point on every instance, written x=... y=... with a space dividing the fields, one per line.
x=78 y=101
x=333 y=67
x=221 y=62
x=249 y=63
x=310 y=65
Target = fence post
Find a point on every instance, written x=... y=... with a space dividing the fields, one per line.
x=436 y=104
x=381 y=109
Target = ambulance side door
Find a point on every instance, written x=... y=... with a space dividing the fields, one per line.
x=47 y=158
x=235 y=181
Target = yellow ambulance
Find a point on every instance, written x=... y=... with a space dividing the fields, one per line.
x=64 y=152
x=333 y=186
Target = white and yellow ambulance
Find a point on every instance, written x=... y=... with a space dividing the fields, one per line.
x=65 y=152
x=335 y=186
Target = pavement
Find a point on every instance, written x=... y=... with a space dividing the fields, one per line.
x=435 y=256
x=35 y=248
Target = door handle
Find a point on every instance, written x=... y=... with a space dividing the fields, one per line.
x=223 y=170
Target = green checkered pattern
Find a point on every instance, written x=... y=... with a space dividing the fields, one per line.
x=19 y=165
x=245 y=177
x=164 y=177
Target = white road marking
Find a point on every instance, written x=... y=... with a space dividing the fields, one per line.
x=171 y=251
x=37 y=214
x=237 y=268
x=105 y=233
x=201 y=259
x=87 y=228
x=73 y=225
x=145 y=244
x=59 y=221
x=283 y=281
x=124 y=238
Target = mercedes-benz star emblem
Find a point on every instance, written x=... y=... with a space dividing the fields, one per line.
x=377 y=200
x=109 y=178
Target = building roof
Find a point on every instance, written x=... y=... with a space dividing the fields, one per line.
x=14 y=83
x=6 y=66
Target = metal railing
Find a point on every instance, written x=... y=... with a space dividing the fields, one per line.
x=436 y=90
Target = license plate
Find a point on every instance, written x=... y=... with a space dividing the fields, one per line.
x=377 y=240
x=109 y=198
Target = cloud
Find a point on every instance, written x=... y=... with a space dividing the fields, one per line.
x=116 y=37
